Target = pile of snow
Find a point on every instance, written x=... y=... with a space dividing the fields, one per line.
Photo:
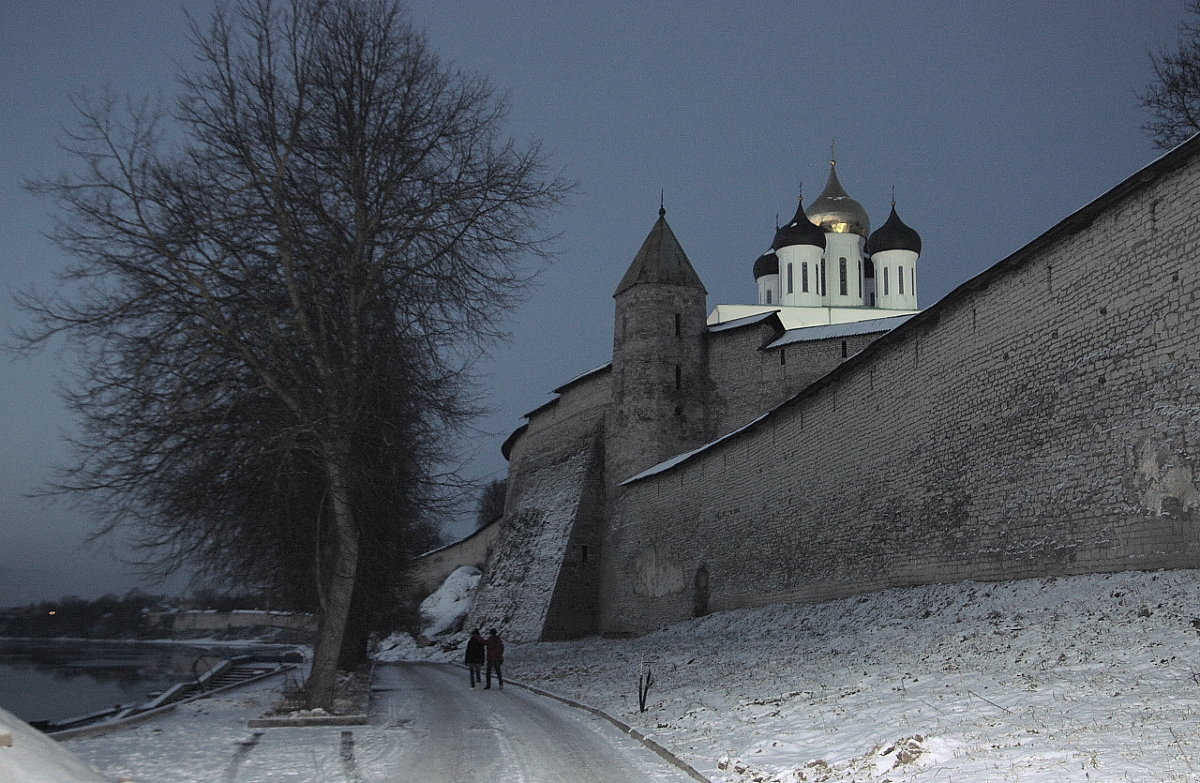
x=401 y=646
x=1092 y=678
x=444 y=610
x=29 y=756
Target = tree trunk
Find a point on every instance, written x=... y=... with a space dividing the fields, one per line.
x=339 y=590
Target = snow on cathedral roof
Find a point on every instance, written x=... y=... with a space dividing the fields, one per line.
x=809 y=333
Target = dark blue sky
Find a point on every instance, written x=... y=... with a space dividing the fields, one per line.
x=992 y=120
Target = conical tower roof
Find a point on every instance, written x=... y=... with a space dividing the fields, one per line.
x=834 y=211
x=660 y=260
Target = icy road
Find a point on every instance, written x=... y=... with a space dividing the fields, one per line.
x=427 y=726
x=435 y=728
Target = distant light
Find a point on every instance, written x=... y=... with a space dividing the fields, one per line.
x=53 y=612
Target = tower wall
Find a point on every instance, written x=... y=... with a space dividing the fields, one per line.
x=661 y=393
x=1039 y=421
x=891 y=265
x=802 y=260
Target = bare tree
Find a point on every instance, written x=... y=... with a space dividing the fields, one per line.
x=280 y=289
x=1173 y=99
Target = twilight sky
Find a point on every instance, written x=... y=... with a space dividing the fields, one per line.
x=992 y=120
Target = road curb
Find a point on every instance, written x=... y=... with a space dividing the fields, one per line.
x=620 y=724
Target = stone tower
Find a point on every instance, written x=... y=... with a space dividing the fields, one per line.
x=661 y=391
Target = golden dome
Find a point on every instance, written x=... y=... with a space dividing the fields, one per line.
x=835 y=212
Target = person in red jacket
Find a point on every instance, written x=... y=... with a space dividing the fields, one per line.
x=474 y=657
x=495 y=656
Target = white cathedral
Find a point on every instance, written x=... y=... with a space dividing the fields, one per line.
x=826 y=266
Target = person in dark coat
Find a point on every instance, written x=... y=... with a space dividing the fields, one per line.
x=475 y=657
x=495 y=657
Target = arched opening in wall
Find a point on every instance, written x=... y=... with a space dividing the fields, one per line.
x=700 y=591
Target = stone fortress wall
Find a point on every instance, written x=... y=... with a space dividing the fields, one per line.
x=1041 y=420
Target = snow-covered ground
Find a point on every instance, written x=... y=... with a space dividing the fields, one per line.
x=1077 y=679
x=1092 y=678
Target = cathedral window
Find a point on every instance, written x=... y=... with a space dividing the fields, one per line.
x=885 y=281
x=844 y=349
x=678 y=329
x=899 y=279
x=860 y=278
x=782 y=356
x=843 y=282
x=822 y=284
x=789 y=284
x=804 y=276
x=768 y=296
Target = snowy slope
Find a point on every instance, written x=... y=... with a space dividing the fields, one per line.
x=446 y=608
x=1077 y=679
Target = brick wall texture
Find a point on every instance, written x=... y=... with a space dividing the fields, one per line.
x=1041 y=420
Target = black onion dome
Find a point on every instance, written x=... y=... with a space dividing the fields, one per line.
x=766 y=264
x=894 y=235
x=799 y=231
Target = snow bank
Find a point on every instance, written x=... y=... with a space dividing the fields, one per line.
x=29 y=756
x=446 y=608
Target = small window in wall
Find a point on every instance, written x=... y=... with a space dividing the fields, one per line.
x=789 y=280
x=844 y=354
x=899 y=279
x=768 y=296
x=804 y=276
x=678 y=325
x=678 y=377
x=860 y=279
x=843 y=280
x=885 y=281
x=822 y=286
x=583 y=554
x=782 y=356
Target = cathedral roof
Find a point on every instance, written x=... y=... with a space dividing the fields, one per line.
x=660 y=260
x=894 y=235
x=799 y=231
x=766 y=264
x=834 y=211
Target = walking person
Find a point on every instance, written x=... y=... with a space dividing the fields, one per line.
x=475 y=656
x=495 y=657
